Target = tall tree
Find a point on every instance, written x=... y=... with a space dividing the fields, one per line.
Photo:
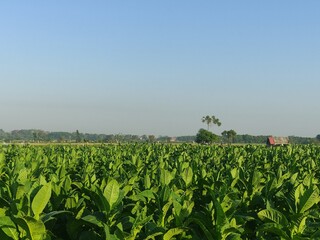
x=209 y=120
x=216 y=121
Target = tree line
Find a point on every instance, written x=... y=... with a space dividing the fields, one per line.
x=205 y=136
x=34 y=135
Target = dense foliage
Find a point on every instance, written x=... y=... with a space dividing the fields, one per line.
x=35 y=135
x=159 y=191
x=206 y=137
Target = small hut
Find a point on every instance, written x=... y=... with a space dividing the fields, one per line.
x=277 y=141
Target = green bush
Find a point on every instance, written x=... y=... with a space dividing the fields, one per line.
x=206 y=137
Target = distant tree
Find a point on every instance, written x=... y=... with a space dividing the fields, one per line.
x=209 y=120
x=230 y=135
x=109 y=138
x=78 y=137
x=216 y=121
x=151 y=138
x=205 y=137
x=3 y=134
x=60 y=139
x=35 y=136
x=318 y=137
x=186 y=138
x=42 y=135
x=144 y=138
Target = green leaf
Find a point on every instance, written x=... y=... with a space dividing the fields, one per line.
x=234 y=173
x=41 y=199
x=9 y=228
x=177 y=207
x=293 y=178
x=112 y=192
x=202 y=225
x=273 y=216
x=165 y=177
x=233 y=236
x=274 y=228
x=172 y=232
x=147 y=182
x=163 y=214
x=308 y=199
x=97 y=197
x=51 y=215
x=302 y=225
x=220 y=216
x=297 y=193
x=93 y=220
x=152 y=236
x=147 y=194
x=187 y=175
x=34 y=229
x=23 y=176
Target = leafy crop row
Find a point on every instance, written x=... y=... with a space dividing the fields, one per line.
x=144 y=191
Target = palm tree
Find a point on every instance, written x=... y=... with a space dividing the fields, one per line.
x=211 y=120
x=208 y=120
x=216 y=121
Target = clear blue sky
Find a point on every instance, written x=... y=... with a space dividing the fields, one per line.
x=156 y=67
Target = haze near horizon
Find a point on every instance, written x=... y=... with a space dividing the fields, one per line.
x=158 y=67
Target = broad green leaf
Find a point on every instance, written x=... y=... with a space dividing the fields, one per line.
x=307 y=181
x=152 y=236
x=9 y=228
x=188 y=206
x=274 y=228
x=172 y=232
x=147 y=181
x=112 y=192
x=34 y=229
x=227 y=203
x=272 y=215
x=221 y=220
x=41 y=199
x=200 y=222
x=42 y=180
x=233 y=236
x=98 y=198
x=308 y=199
x=203 y=172
x=293 y=178
x=3 y=212
x=23 y=176
x=234 y=173
x=93 y=220
x=302 y=225
x=165 y=177
x=187 y=175
x=297 y=194
x=51 y=215
x=165 y=209
x=147 y=194
x=2 y=158
x=177 y=208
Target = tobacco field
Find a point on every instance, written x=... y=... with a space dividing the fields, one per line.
x=159 y=191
